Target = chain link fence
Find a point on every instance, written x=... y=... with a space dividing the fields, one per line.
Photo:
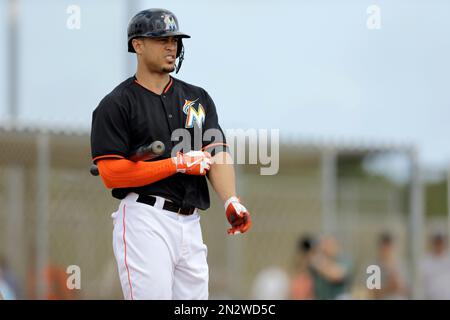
x=53 y=221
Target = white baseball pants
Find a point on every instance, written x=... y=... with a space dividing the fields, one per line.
x=160 y=254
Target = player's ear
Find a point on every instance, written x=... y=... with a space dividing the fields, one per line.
x=138 y=45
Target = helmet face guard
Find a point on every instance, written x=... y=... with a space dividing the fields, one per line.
x=156 y=23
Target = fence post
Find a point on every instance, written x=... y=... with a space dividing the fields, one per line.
x=234 y=253
x=12 y=61
x=42 y=208
x=15 y=236
x=416 y=224
x=329 y=187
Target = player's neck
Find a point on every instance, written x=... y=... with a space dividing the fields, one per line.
x=155 y=82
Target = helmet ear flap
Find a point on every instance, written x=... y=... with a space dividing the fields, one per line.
x=179 y=47
x=180 y=55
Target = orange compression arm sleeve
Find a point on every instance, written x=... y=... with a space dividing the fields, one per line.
x=123 y=173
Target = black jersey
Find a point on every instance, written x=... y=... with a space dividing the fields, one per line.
x=132 y=116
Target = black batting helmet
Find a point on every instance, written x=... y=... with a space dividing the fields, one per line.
x=155 y=23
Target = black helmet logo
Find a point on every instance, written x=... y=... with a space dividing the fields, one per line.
x=153 y=23
x=171 y=25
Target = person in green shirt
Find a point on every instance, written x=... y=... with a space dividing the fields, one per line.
x=330 y=270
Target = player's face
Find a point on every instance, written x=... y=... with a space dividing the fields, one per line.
x=160 y=53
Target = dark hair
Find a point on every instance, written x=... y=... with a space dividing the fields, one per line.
x=385 y=238
x=305 y=243
x=438 y=238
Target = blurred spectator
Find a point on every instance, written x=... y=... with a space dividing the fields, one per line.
x=271 y=283
x=54 y=278
x=55 y=281
x=393 y=274
x=8 y=284
x=302 y=286
x=330 y=270
x=435 y=269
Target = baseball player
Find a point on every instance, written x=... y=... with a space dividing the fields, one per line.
x=157 y=239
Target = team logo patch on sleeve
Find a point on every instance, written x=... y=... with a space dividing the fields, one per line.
x=192 y=114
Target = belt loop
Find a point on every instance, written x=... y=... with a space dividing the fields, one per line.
x=159 y=202
x=163 y=204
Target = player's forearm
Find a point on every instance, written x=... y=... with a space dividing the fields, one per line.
x=123 y=173
x=222 y=177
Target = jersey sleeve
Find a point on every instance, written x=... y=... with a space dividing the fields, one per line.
x=110 y=131
x=212 y=132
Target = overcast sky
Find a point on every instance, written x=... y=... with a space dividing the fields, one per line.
x=311 y=68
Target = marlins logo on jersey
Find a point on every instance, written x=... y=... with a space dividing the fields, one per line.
x=193 y=115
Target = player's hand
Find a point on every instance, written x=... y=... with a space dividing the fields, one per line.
x=237 y=215
x=194 y=162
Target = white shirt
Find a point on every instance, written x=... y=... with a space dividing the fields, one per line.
x=436 y=277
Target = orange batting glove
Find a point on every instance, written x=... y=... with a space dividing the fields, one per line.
x=237 y=215
x=194 y=162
